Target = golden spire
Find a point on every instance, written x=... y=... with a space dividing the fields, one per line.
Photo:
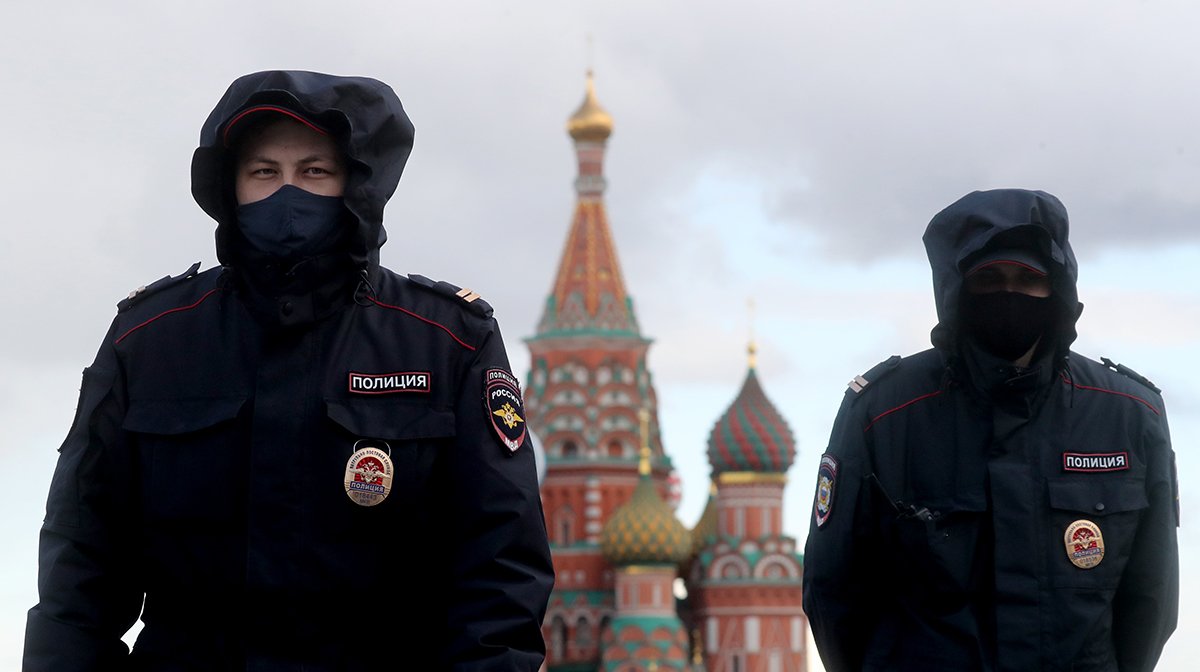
x=752 y=349
x=644 y=462
x=590 y=122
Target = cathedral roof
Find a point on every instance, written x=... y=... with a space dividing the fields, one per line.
x=645 y=530
x=589 y=294
x=589 y=297
x=590 y=122
x=706 y=527
x=751 y=435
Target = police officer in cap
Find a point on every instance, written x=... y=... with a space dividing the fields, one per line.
x=998 y=502
x=299 y=460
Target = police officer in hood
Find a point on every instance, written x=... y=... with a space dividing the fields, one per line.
x=996 y=503
x=299 y=460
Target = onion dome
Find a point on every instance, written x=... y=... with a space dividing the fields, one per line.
x=751 y=435
x=590 y=122
x=706 y=527
x=645 y=531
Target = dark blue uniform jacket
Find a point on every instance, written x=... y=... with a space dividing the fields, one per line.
x=939 y=539
x=204 y=471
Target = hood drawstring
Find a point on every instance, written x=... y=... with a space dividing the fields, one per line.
x=1069 y=379
x=364 y=291
x=948 y=374
x=225 y=280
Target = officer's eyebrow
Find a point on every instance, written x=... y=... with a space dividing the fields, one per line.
x=320 y=157
x=257 y=158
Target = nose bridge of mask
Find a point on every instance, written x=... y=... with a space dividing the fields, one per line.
x=1007 y=323
x=290 y=222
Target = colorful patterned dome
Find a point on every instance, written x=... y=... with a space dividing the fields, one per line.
x=751 y=435
x=590 y=122
x=645 y=531
x=706 y=527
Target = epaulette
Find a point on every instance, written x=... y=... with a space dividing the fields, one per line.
x=1130 y=374
x=155 y=287
x=860 y=383
x=472 y=300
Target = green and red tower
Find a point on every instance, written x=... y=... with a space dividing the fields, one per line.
x=588 y=379
x=645 y=542
x=745 y=580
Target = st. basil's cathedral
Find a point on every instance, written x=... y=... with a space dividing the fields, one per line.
x=617 y=545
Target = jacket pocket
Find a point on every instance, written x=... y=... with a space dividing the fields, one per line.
x=391 y=421
x=192 y=460
x=939 y=538
x=169 y=417
x=412 y=434
x=1104 y=514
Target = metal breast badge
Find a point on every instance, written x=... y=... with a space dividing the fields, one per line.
x=369 y=475
x=1084 y=543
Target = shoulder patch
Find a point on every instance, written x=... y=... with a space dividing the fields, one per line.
x=157 y=286
x=502 y=404
x=1130 y=374
x=826 y=482
x=471 y=299
x=860 y=383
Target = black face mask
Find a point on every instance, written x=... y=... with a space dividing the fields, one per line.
x=292 y=223
x=1006 y=324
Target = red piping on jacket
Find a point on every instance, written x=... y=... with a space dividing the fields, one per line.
x=167 y=312
x=1077 y=386
x=423 y=319
x=906 y=404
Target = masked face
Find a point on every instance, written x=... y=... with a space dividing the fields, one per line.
x=1007 y=324
x=284 y=151
x=292 y=223
x=289 y=181
x=1007 y=308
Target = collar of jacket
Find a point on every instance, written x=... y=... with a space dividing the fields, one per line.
x=1000 y=381
x=295 y=295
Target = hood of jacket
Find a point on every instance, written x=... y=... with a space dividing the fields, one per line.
x=363 y=115
x=988 y=220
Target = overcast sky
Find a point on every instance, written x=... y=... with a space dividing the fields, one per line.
x=787 y=151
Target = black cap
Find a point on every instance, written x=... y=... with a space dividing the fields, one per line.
x=1016 y=257
x=237 y=123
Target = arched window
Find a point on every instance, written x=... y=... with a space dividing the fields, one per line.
x=605 y=622
x=583 y=633
x=564 y=526
x=615 y=449
x=558 y=639
x=570 y=449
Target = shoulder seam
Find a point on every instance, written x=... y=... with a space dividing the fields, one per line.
x=860 y=382
x=157 y=286
x=906 y=404
x=464 y=297
x=426 y=320
x=164 y=313
x=1092 y=388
